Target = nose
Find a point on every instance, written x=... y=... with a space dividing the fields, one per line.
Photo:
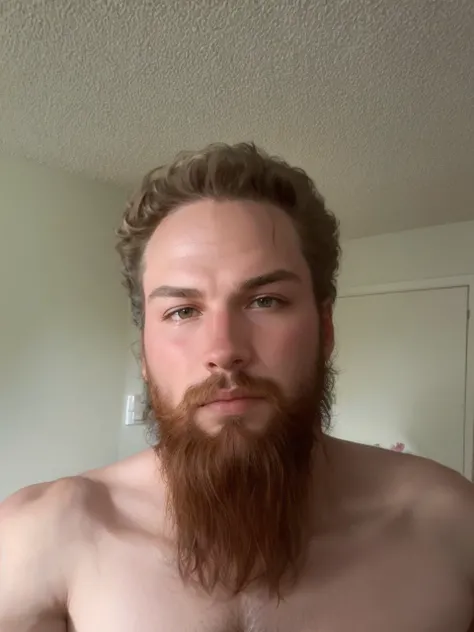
x=228 y=344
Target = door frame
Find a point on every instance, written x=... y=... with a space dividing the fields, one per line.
x=465 y=281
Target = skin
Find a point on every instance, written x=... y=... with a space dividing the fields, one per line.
x=392 y=543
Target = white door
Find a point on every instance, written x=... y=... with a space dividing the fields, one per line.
x=402 y=363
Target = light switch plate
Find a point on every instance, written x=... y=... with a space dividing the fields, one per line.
x=134 y=411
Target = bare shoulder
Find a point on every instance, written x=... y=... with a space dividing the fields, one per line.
x=438 y=501
x=37 y=523
x=406 y=475
x=67 y=511
x=62 y=502
x=434 y=494
x=48 y=530
x=442 y=505
x=443 y=511
x=37 y=519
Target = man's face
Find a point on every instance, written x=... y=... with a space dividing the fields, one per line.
x=227 y=290
x=236 y=375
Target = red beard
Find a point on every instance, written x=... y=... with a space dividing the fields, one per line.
x=240 y=500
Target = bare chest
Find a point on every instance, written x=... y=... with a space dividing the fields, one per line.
x=386 y=586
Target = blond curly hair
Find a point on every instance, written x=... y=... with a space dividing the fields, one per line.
x=229 y=172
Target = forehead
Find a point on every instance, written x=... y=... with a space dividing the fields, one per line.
x=230 y=238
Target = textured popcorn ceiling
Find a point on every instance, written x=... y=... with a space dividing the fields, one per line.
x=374 y=98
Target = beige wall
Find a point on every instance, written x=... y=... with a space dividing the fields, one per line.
x=64 y=320
x=415 y=255
x=437 y=257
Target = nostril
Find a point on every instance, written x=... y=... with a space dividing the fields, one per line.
x=225 y=364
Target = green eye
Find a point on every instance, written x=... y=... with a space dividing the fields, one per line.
x=266 y=302
x=183 y=313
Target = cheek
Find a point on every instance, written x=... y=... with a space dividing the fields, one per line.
x=291 y=352
x=166 y=360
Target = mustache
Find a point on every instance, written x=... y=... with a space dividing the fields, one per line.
x=243 y=384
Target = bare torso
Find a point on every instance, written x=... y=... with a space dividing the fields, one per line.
x=370 y=568
x=379 y=581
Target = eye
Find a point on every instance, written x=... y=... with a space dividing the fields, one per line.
x=267 y=302
x=183 y=313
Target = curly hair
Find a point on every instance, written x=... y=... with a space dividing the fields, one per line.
x=229 y=172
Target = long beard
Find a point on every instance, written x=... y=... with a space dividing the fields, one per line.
x=240 y=500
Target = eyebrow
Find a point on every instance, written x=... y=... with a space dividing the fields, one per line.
x=170 y=291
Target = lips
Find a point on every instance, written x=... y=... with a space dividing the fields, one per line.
x=231 y=402
x=230 y=396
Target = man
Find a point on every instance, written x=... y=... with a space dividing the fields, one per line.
x=246 y=515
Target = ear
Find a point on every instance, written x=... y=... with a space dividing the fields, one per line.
x=326 y=324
